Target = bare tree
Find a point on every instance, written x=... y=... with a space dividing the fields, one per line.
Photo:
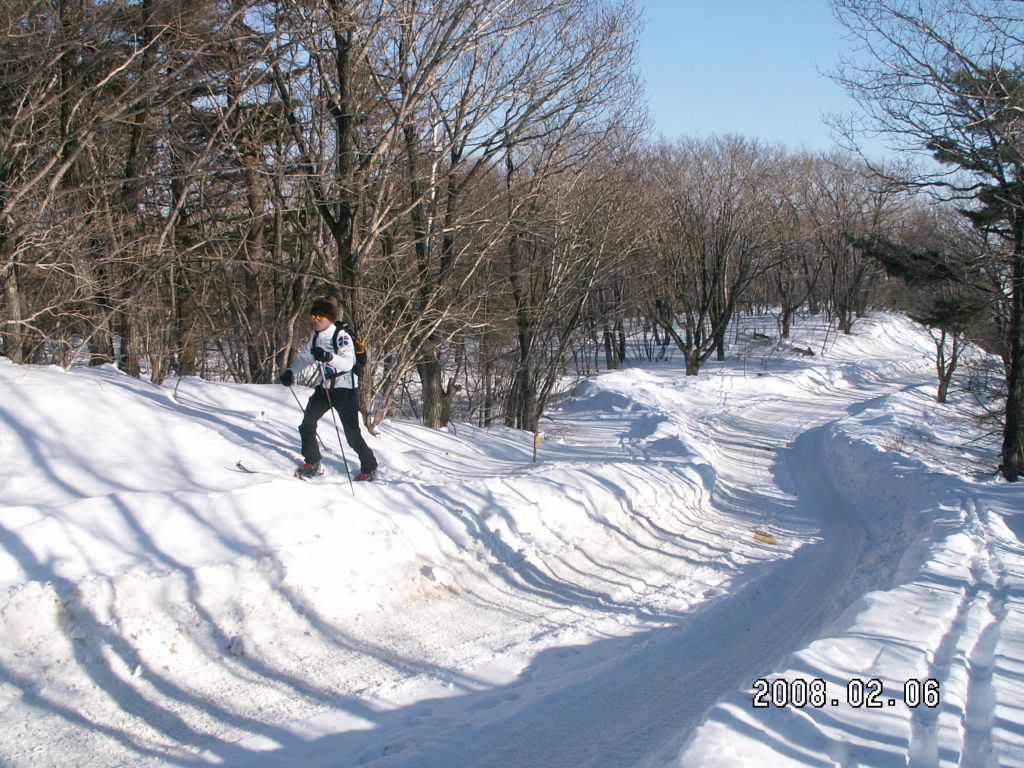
x=846 y=201
x=578 y=241
x=424 y=101
x=716 y=199
x=796 y=274
x=946 y=79
x=97 y=169
x=937 y=256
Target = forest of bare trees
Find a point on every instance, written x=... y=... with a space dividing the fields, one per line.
x=474 y=181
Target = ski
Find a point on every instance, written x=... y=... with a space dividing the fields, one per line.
x=275 y=473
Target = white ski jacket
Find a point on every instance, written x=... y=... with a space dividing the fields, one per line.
x=336 y=373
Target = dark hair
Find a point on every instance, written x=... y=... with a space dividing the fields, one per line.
x=326 y=308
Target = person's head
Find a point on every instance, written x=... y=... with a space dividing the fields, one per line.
x=323 y=313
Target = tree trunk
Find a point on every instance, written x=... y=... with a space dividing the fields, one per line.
x=432 y=380
x=259 y=358
x=185 y=319
x=129 y=360
x=523 y=402
x=610 y=353
x=1013 y=430
x=692 y=360
x=15 y=340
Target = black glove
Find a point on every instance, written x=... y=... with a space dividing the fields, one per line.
x=287 y=377
x=321 y=355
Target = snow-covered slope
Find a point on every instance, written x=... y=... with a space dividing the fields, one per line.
x=613 y=603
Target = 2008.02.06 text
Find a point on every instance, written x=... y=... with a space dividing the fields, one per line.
x=869 y=694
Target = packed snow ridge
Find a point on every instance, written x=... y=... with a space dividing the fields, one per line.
x=785 y=561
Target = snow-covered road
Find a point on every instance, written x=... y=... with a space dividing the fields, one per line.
x=636 y=700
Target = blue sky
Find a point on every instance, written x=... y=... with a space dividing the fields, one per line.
x=743 y=66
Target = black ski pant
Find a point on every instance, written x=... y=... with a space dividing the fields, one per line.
x=346 y=403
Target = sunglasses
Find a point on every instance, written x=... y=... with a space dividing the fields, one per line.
x=318 y=317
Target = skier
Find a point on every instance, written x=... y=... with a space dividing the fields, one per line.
x=330 y=347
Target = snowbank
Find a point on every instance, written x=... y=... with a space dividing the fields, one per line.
x=613 y=603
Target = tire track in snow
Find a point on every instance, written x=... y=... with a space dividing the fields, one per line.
x=963 y=662
x=980 y=710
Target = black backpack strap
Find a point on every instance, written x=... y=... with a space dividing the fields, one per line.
x=339 y=326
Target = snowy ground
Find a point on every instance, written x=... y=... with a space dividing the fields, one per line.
x=816 y=524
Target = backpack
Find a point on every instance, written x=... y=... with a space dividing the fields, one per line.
x=360 y=348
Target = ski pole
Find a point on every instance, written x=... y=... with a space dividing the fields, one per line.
x=337 y=431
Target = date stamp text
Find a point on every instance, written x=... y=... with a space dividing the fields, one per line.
x=858 y=693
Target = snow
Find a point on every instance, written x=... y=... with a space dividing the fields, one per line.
x=818 y=524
